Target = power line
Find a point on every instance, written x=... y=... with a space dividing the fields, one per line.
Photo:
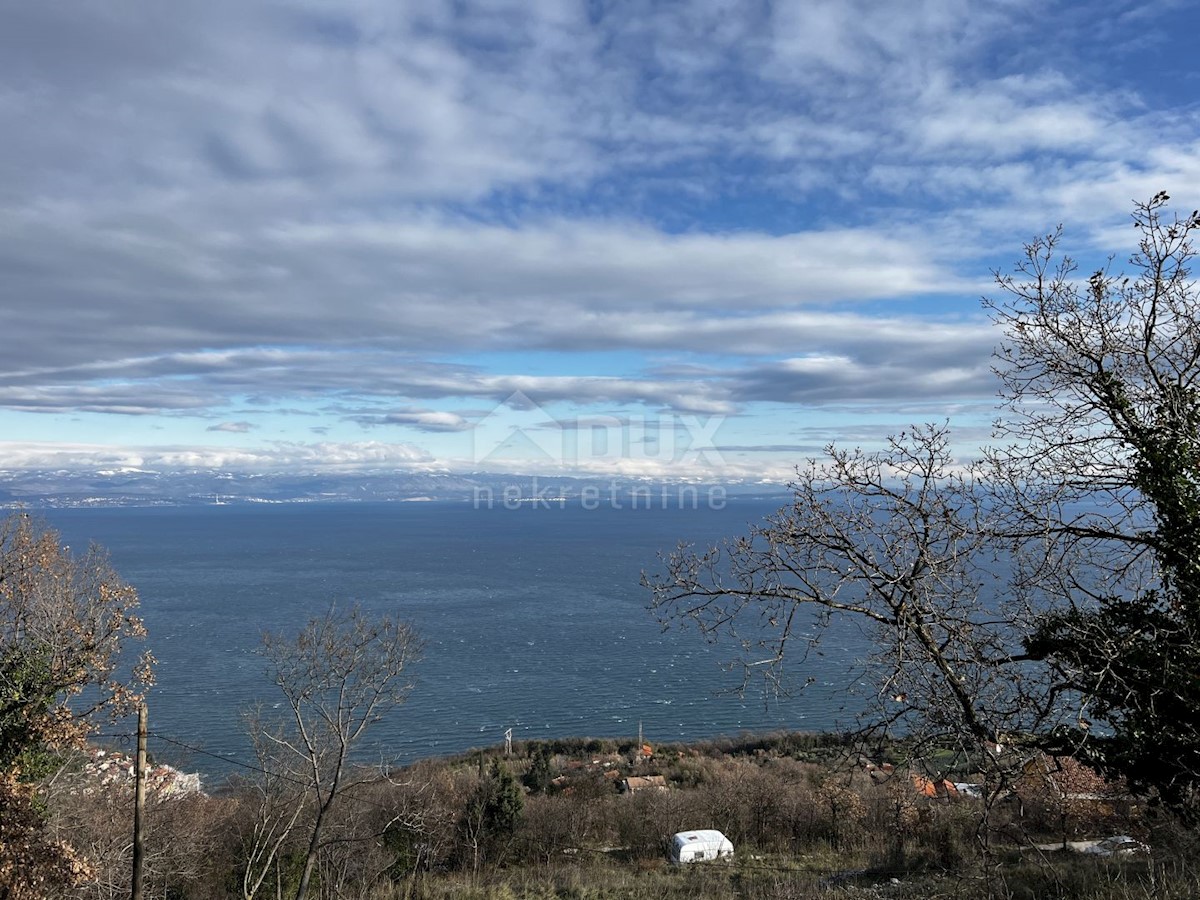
x=345 y=793
x=225 y=759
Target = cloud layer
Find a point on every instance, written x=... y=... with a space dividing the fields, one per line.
x=390 y=217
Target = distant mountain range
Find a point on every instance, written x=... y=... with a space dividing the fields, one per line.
x=138 y=487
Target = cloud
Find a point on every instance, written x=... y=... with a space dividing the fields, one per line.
x=401 y=210
x=842 y=357
x=273 y=457
x=1010 y=117
x=364 y=458
x=411 y=284
x=420 y=419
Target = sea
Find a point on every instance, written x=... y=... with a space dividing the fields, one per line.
x=532 y=615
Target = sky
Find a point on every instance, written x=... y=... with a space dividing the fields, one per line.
x=660 y=239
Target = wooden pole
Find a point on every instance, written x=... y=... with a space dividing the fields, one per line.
x=139 y=805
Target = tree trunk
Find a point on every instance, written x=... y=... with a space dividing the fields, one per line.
x=314 y=842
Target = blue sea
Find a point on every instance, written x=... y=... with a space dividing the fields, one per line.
x=533 y=618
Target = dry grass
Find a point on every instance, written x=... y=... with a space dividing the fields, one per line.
x=778 y=879
x=804 y=827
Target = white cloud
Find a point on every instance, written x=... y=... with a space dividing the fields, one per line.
x=410 y=284
x=421 y=419
x=279 y=456
x=1010 y=117
x=693 y=208
x=878 y=357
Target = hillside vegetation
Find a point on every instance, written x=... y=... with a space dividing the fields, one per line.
x=809 y=815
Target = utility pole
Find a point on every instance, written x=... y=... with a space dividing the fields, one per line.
x=139 y=804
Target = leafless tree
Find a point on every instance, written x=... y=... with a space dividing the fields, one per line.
x=1092 y=497
x=276 y=801
x=339 y=676
x=94 y=818
x=900 y=542
x=1099 y=438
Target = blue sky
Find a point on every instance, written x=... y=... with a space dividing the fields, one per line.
x=666 y=239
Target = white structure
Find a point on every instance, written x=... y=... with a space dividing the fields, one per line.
x=693 y=846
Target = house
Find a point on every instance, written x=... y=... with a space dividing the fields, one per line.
x=635 y=783
x=935 y=790
x=1068 y=794
x=112 y=770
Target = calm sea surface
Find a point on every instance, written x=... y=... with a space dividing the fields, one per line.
x=534 y=619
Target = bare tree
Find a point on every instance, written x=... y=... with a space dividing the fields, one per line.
x=180 y=847
x=276 y=802
x=339 y=676
x=900 y=542
x=1093 y=499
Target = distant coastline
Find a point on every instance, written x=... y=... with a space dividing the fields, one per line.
x=141 y=488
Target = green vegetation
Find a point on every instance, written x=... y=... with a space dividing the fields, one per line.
x=1102 y=495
